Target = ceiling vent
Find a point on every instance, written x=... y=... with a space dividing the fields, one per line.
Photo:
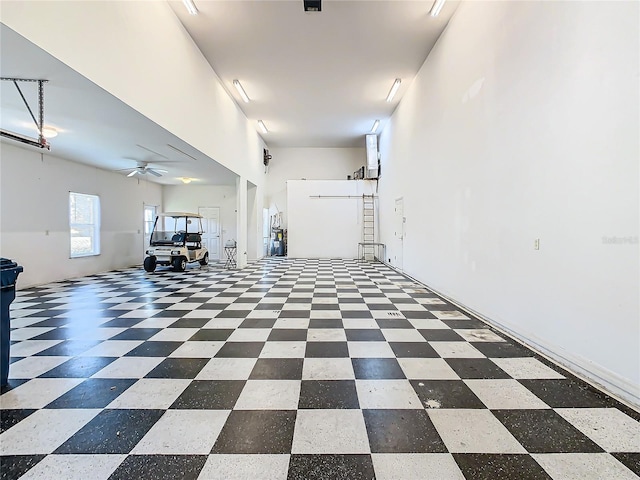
x=312 y=5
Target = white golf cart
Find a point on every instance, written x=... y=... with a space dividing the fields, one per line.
x=176 y=240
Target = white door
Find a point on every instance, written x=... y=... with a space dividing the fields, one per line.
x=399 y=233
x=266 y=232
x=148 y=219
x=211 y=227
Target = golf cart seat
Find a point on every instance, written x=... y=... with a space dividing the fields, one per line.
x=178 y=237
x=194 y=241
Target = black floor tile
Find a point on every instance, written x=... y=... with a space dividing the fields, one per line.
x=416 y=314
x=364 y=335
x=381 y=306
x=171 y=314
x=445 y=394
x=477 y=368
x=211 y=335
x=288 y=335
x=462 y=324
x=326 y=350
x=441 y=335
x=58 y=334
x=240 y=350
x=233 y=314
x=394 y=323
x=298 y=299
x=160 y=467
x=295 y=314
x=377 y=368
x=92 y=393
x=502 y=349
x=356 y=314
x=178 y=368
x=13 y=467
x=487 y=466
x=568 y=394
x=122 y=323
x=402 y=431
x=209 y=395
x=257 y=431
x=68 y=348
x=413 y=350
x=154 y=349
x=544 y=431
x=111 y=431
x=325 y=323
x=330 y=467
x=189 y=323
x=331 y=394
x=136 y=334
x=8 y=418
x=258 y=323
x=277 y=369
x=79 y=367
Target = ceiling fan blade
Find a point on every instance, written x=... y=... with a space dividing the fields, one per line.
x=133 y=172
x=153 y=172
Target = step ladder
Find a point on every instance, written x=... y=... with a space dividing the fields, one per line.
x=368 y=228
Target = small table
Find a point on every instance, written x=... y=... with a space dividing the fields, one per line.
x=230 y=253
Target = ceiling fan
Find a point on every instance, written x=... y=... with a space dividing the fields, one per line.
x=143 y=168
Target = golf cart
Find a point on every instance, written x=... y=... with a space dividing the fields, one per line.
x=176 y=240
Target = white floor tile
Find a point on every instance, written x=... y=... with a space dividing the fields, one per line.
x=327 y=369
x=415 y=466
x=397 y=394
x=427 y=369
x=427 y=324
x=183 y=432
x=44 y=431
x=37 y=393
x=269 y=395
x=356 y=323
x=504 y=394
x=197 y=349
x=227 y=369
x=31 y=347
x=74 y=467
x=242 y=467
x=370 y=350
x=479 y=335
x=250 y=335
x=174 y=335
x=449 y=315
x=473 y=431
x=456 y=350
x=160 y=322
x=526 y=368
x=32 y=367
x=582 y=466
x=112 y=348
x=608 y=427
x=326 y=335
x=330 y=431
x=150 y=393
x=129 y=367
x=291 y=323
x=283 y=350
x=224 y=323
x=28 y=332
x=402 y=335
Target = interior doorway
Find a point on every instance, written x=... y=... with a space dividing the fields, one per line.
x=211 y=227
x=399 y=222
x=266 y=231
x=148 y=219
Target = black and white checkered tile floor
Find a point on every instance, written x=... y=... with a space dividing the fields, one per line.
x=298 y=369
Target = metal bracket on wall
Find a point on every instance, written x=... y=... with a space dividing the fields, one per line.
x=41 y=142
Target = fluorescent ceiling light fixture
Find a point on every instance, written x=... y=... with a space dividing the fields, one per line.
x=191 y=7
x=437 y=6
x=49 y=132
x=243 y=94
x=394 y=89
x=263 y=127
x=186 y=180
x=376 y=124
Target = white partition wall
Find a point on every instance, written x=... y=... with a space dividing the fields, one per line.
x=523 y=124
x=325 y=217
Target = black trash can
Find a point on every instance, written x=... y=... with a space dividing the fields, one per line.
x=9 y=272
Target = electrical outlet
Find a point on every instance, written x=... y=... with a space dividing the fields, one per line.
x=536 y=244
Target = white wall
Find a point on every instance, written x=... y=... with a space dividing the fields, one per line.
x=34 y=210
x=325 y=227
x=187 y=198
x=523 y=124
x=308 y=163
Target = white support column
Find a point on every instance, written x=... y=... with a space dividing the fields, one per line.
x=241 y=204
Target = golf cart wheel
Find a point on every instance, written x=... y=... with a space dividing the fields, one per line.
x=179 y=264
x=150 y=264
x=205 y=259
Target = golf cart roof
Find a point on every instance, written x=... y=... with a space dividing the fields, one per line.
x=179 y=214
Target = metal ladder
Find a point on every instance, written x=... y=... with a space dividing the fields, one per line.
x=368 y=228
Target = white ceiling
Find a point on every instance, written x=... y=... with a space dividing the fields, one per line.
x=315 y=79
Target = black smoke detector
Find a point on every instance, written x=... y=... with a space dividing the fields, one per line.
x=312 y=5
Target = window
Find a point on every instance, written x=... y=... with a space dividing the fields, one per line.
x=84 y=224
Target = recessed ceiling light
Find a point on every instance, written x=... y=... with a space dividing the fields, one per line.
x=376 y=124
x=394 y=89
x=243 y=94
x=437 y=6
x=191 y=7
x=262 y=126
